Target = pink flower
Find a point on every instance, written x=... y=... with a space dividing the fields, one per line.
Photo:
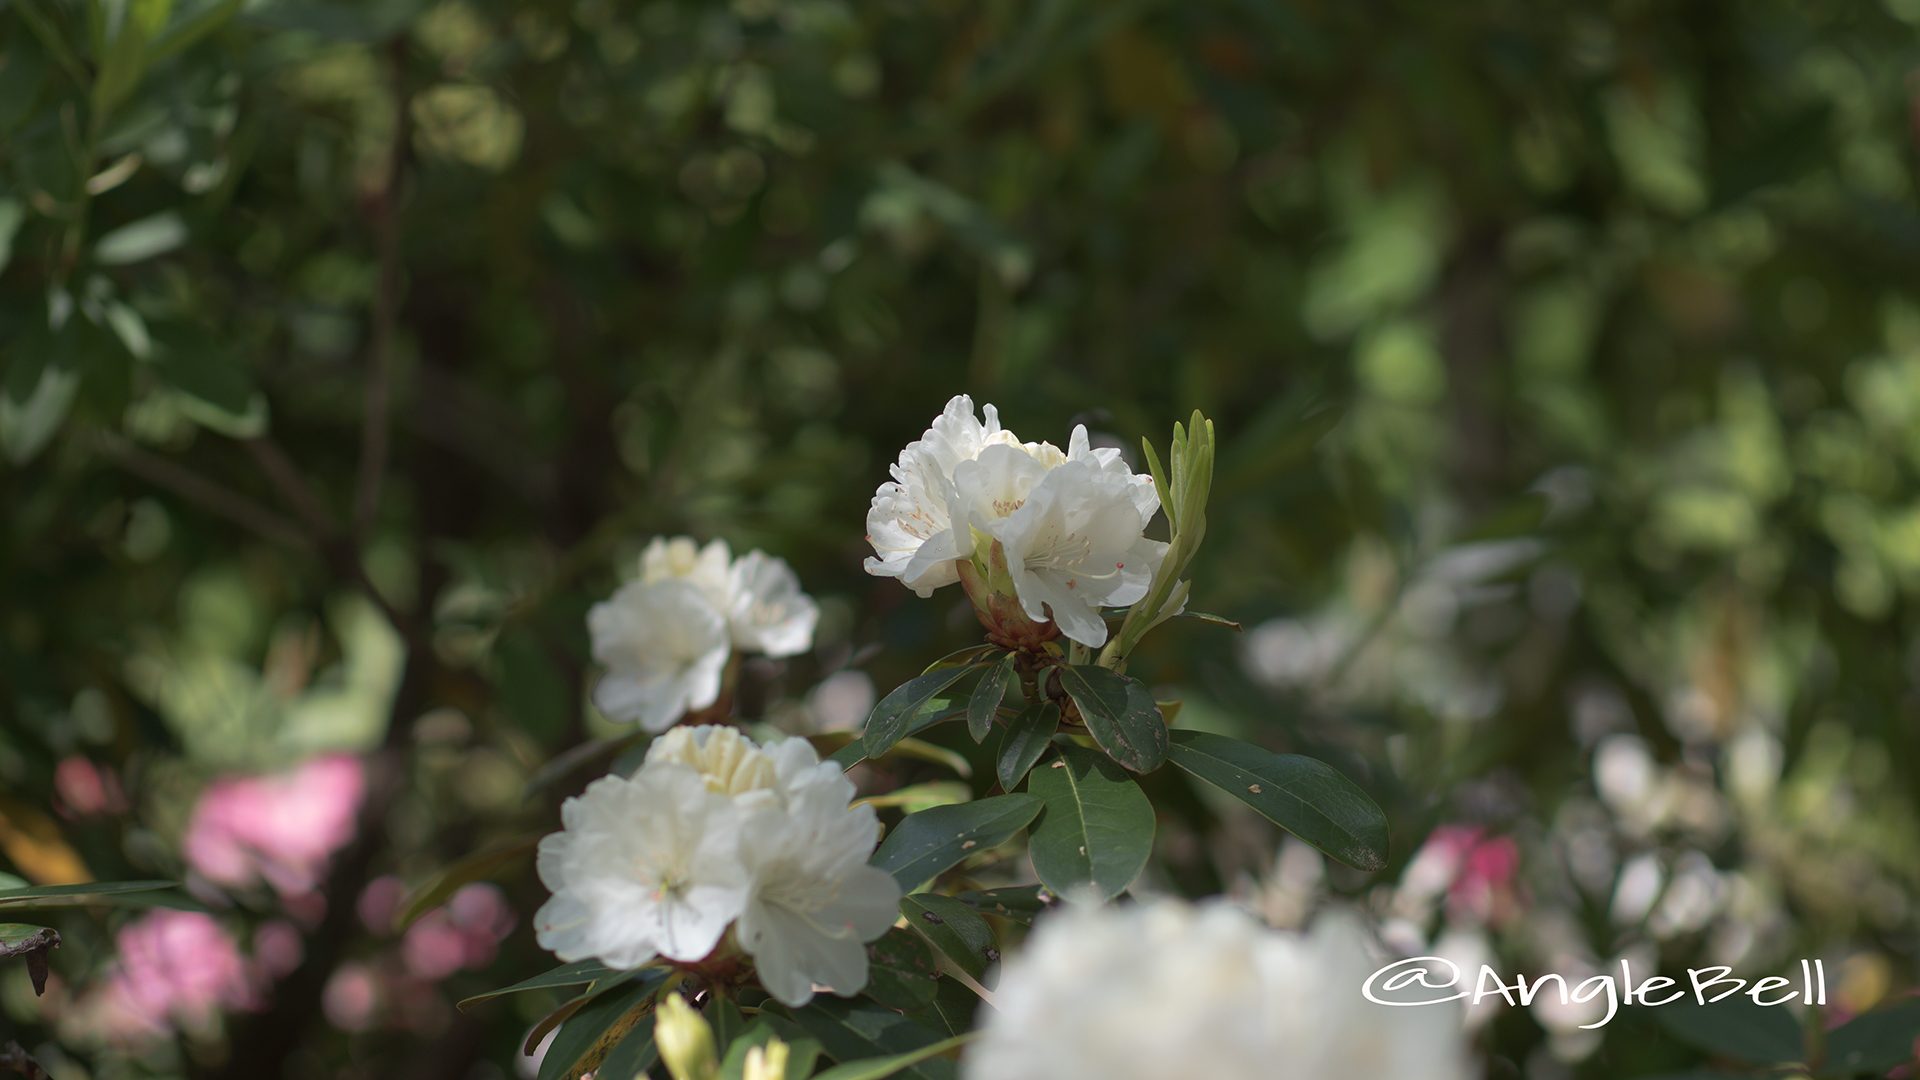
x=86 y=789
x=351 y=996
x=175 y=969
x=465 y=934
x=280 y=829
x=1481 y=870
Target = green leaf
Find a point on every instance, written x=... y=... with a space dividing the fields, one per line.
x=733 y=1052
x=578 y=973
x=476 y=867
x=930 y=842
x=140 y=240
x=632 y=1056
x=955 y=930
x=953 y=1009
x=725 y=1019
x=596 y=1027
x=1209 y=617
x=987 y=695
x=1097 y=828
x=1308 y=798
x=893 y=718
x=901 y=972
x=917 y=797
x=1025 y=739
x=877 y=1068
x=32 y=943
x=1119 y=714
x=12 y=213
x=854 y=753
x=852 y=1031
x=1874 y=1042
x=216 y=389
x=1019 y=903
x=42 y=896
x=960 y=658
x=1734 y=1028
x=185 y=32
x=801 y=1053
x=28 y=420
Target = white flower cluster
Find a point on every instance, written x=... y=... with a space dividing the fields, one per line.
x=1164 y=989
x=712 y=831
x=665 y=638
x=1071 y=524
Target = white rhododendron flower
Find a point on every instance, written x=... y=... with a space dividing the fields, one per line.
x=765 y=836
x=665 y=648
x=642 y=867
x=912 y=508
x=1072 y=525
x=666 y=638
x=766 y=610
x=1165 y=988
x=815 y=902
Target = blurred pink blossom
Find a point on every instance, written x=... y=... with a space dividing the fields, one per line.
x=380 y=903
x=278 y=947
x=280 y=828
x=175 y=969
x=1481 y=870
x=465 y=934
x=351 y=996
x=86 y=789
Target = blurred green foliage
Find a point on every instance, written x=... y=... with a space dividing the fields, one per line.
x=312 y=307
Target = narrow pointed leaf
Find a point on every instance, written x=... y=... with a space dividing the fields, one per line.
x=880 y=1068
x=479 y=866
x=893 y=718
x=578 y=973
x=632 y=1056
x=1306 y=797
x=595 y=1028
x=955 y=931
x=38 y=896
x=987 y=695
x=1019 y=902
x=1119 y=714
x=932 y=841
x=852 y=1031
x=1026 y=738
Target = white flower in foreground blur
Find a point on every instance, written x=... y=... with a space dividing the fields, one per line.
x=766 y=610
x=1072 y=525
x=766 y=836
x=912 y=508
x=1165 y=989
x=642 y=867
x=665 y=648
x=815 y=902
x=665 y=639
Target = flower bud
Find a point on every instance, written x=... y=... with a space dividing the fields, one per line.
x=767 y=1061
x=685 y=1041
x=995 y=603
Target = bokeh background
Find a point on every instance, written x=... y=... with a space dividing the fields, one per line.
x=1565 y=361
